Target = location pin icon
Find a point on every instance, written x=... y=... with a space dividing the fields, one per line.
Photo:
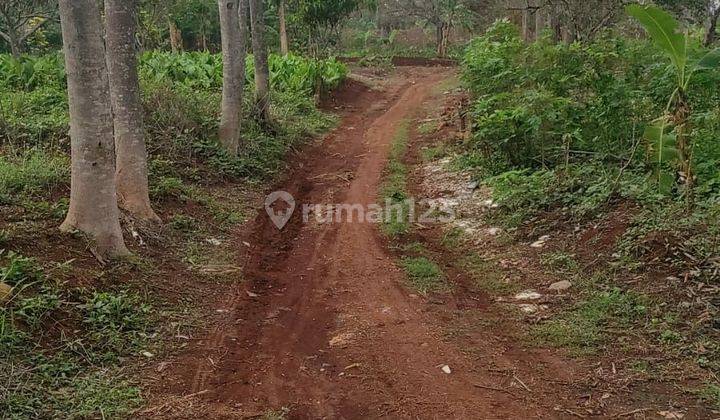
x=285 y=208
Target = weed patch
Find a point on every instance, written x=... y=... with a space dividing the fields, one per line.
x=583 y=328
x=424 y=275
x=394 y=190
x=31 y=173
x=485 y=275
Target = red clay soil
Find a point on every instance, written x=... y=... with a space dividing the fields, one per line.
x=322 y=327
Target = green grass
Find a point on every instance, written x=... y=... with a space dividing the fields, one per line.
x=428 y=127
x=424 y=275
x=394 y=190
x=583 y=329
x=452 y=238
x=430 y=154
x=164 y=188
x=76 y=373
x=184 y=223
x=485 y=275
x=414 y=248
x=559 y=261
x=31 y=173
x=710 y=393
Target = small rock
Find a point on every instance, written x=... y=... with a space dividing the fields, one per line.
x=148 y=354
x=446 y=369
x=251 y=294
x=528 y=308
x=528 y=295
x=540 y=242
x=494 y=231
x=560 y=286
x=162 y=366
x=5 y=292
x=213 y=241
x=341 y=340
x=472 y=186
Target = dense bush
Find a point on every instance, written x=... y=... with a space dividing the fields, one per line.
x=542 y=104
x=557 y=130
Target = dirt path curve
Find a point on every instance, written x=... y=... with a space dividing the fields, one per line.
x=324 y=328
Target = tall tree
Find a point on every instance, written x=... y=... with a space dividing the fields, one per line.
x=131 y=172
x=233 y=35
x=93 y=200
x=284 y=43
x=20 y=19
x=260 y=55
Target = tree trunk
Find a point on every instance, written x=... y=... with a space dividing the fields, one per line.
x=381 y=20
x=176 y=42
x=555 y=22
x=233 y=52
x=131 y=172
x=93 y=200
x=284 y=44
x=528 y=24
x=711 y=34
x=15 y=45
x=442 y=32
x=260 y=55
x=541 y=20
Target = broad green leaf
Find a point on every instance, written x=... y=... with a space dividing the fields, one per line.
x=662 y=144
x=710 y=61
x=666 y=181
x=664 y=30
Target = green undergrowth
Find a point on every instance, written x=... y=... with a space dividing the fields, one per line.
x=584 y=328
x=72 y=333
x=486 y=276
x=61 y=347
x=31 y=173
x=424 y=275
x=394 y=191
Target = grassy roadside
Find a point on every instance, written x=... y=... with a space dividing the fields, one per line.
x=424 y=276
x=75 y=336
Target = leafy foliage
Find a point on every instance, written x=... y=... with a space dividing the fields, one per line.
x=669 y=140
x=543 y=104
x=202 y=70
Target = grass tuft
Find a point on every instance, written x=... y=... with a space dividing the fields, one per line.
x=582 y=330
x=394 y=191
x=424 y=275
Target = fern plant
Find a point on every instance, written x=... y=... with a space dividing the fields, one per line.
x=669 y=140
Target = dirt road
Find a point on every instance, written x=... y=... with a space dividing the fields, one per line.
x=323 y=327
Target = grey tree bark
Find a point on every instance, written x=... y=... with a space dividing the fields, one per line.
x=93 y=200
x=131 y=171
x=541 y=21
x=284 y=43
x=711 y=31
x=232 y=32
x=260 y=55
